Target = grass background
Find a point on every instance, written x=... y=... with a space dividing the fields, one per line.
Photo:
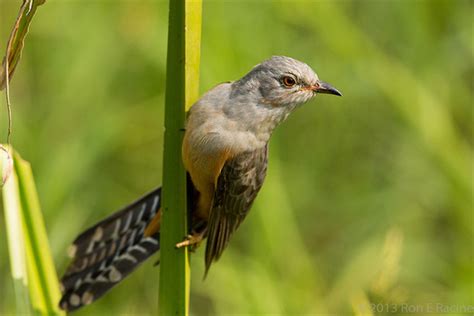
x=368 y=197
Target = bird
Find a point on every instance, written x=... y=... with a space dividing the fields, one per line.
x=225 y=154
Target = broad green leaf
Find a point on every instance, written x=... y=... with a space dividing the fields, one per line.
x=31 y=262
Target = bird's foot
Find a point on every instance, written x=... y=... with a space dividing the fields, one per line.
x=192 y=240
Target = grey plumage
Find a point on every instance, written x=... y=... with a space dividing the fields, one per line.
x=239 y=117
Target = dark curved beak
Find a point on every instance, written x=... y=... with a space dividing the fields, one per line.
x=323 y=87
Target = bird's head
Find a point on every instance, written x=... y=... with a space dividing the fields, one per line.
x=284 y=81
x=265 y=96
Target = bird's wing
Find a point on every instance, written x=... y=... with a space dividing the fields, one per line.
x=237 y=186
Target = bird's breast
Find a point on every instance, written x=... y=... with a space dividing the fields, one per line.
x=207 y=145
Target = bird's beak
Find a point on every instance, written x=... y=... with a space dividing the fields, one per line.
x=323 y=87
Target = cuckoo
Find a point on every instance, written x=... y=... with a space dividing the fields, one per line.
x=225 y=153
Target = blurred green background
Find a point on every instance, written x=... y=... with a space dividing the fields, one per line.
x=368 y=197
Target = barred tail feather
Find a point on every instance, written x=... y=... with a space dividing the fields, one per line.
x=106 y=253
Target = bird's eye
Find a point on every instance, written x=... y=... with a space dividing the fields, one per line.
x=289 y=81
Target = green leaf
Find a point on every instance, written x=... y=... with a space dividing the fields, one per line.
x=31 y=262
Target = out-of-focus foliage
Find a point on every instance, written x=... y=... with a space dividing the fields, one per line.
x=368 y=196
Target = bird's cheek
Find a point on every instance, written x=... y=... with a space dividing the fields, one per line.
x=304 y=96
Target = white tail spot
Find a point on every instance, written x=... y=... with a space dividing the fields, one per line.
x=87 y=298
x=115 y=275
x=128 y=256
x=75 y=300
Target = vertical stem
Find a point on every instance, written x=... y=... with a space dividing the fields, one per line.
x=181 y=91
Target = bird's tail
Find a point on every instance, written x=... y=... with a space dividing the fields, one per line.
x=106 y=253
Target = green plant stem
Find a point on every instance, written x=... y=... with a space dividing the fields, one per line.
x=181 y=90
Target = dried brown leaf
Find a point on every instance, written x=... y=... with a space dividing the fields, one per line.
x=16 y=40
